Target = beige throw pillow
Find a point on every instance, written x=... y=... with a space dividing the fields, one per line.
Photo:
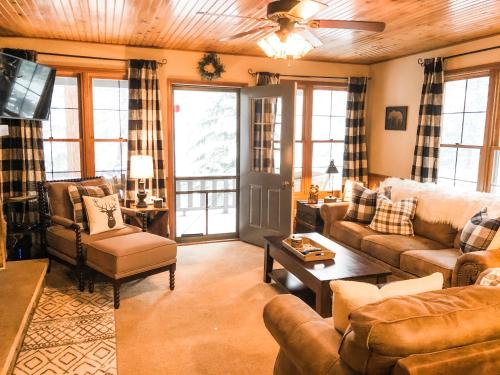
x=103 y=214
x=351 y=295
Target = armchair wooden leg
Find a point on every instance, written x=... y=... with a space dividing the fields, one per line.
x=81 y=280
x=91 y=274
x=172 y=276
x=116 y=293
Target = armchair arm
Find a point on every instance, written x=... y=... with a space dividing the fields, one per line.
x=331 y=212
x=470 y=265
x=306 y=339
x=66 y=223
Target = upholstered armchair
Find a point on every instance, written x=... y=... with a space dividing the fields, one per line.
x=62 y=238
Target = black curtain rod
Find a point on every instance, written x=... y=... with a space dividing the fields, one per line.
x=252 y=73
x=162 y=62
x=421 y=60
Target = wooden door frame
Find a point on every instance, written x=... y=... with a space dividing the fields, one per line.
x=170 y=137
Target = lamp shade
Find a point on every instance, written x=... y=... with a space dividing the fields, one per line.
x=332 y=168
x=141 y=166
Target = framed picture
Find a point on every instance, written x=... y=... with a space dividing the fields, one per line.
x=395 y=118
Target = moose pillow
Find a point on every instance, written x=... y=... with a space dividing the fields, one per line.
x=103 y=214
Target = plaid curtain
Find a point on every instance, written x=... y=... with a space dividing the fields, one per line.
x=355 y=155
x=426 y=154
x=145 y=133
x=21 y=155
x=264 y=120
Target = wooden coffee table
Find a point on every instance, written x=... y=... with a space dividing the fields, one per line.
x=301 y=277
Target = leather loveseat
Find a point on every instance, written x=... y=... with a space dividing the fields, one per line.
x=434 y=248
x=450 y=331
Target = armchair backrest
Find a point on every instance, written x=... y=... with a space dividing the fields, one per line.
x=53 y=196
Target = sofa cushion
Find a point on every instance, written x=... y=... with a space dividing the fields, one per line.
x=388 y=247
x=440 y=232
x=424 y=262
x=422 y=323
x=131 y=254
x=394 y=217
x=63 y=240
x=59 y=202
x=350 y=233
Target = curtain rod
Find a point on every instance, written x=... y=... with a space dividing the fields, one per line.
x=253 y=74
x=162 y=62
x=421 y=60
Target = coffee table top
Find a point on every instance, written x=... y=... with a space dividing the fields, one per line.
x=346 y=265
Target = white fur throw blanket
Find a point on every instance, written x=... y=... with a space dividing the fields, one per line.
x=438 y=204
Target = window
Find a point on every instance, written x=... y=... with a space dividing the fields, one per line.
x=463 y=132
x=61 y=133
x=319 y=136
x=110 y=104
x=86 y=134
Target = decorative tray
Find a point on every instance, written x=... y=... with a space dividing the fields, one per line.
x=309 y=250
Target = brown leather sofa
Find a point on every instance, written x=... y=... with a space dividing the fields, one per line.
x=434 y=248
x=451 y=331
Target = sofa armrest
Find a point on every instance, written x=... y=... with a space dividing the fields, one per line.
x=309 y=342
x=66 y=223
x=331 y=212
x=470 y=265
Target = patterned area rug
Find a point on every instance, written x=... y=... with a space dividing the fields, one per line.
x=72 y=332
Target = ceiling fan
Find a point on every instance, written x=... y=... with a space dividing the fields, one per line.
x=288 y=34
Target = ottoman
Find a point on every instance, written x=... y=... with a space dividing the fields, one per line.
x=129 y=257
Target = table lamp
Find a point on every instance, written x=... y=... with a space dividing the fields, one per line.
x=331 y=170
x=141 y=167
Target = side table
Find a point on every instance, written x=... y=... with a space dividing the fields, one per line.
x=157 y=219
x=308 y=218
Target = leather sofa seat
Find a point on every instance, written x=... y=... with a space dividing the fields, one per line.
x=63 y=240
x=389 y=247
x=426 y=262
x=350 y=232
x=130 y=254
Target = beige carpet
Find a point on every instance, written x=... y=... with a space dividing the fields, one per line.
x=210 y=324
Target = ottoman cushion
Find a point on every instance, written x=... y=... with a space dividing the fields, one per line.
x=131 y=254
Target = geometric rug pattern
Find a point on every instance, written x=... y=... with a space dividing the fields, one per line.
x=71 y=332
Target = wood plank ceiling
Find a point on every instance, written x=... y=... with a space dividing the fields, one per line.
x=412 y=25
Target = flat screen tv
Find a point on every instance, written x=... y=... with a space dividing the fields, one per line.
x=25 y=88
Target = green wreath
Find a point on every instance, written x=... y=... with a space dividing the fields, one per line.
x=215 y=67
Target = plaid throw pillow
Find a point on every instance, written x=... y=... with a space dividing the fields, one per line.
x=394 y=217
x=364 y=203
x=76 y=192
x=478 y=232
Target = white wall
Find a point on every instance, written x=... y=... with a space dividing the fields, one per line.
x=399 y=83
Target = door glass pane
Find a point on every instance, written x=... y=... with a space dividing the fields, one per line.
x=222 y=213
x=297 y=168
x=299 y=113
x=190 y=215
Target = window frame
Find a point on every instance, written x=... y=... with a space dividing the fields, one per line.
x=308 y=88
x=86 y=112
x=491 y=138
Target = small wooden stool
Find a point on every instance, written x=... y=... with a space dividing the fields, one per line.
x=129 y=257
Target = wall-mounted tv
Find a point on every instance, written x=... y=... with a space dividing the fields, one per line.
x=25 y=88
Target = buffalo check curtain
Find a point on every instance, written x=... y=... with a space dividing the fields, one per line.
x=22 y=157
x=264 y=122
x=355 y=156
x=426 y=154
x=145 y=134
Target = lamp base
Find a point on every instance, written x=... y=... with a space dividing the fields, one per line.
x=141 y=195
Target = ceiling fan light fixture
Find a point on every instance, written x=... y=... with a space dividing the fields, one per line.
x=294 y=47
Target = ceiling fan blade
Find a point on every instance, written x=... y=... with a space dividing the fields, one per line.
x=352 y=25
x=233 y=16
x=310 y=37
x=245 y=33
x=307 y=8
